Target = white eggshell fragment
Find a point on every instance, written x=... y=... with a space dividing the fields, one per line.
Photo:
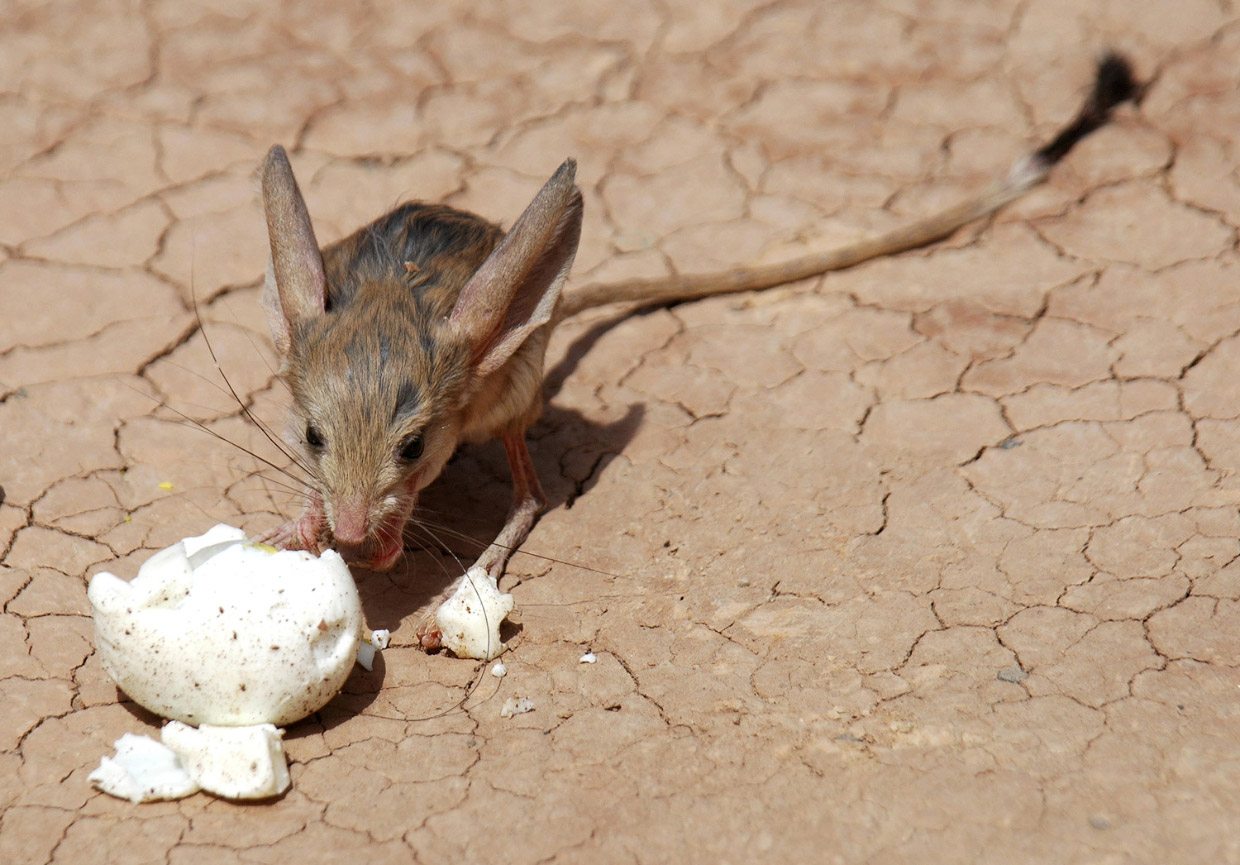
x=366 y=656
x=143 y=770
x=218 y=630
x=469 y=620
x=372 y=644
x=233 y=762
x=516 y=706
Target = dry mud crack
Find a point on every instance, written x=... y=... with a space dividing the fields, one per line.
x=934 y=560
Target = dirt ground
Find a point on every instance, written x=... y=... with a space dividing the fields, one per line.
x=934 y=560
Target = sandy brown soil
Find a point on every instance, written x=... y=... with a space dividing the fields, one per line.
x=931 y=561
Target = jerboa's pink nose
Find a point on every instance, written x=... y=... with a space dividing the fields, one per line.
x=352 y=521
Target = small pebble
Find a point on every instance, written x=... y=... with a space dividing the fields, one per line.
x=587 y=658
x=1012 y=674
x=498 y=670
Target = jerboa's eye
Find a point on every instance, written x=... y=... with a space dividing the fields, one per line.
x=411 y=448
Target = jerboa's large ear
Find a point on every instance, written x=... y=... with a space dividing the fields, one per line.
x=296 y=266
x=515 y=290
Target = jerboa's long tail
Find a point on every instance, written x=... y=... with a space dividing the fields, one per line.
x=1113 y=84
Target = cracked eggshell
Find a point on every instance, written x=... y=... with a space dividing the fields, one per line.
x=218 y=630
x=233 y=762
x=370 y=646
x=143 y=770
x=469 y=620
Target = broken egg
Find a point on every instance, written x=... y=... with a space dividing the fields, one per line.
x=219 y=630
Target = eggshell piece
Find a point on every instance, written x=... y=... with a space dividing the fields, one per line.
x=217 y=630
x=370 y=646
x=514 y=706
x=143 y=770
x=469 y=620
x=233 y=762
x=366 y=655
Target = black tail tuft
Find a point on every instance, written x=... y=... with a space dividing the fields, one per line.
x=1113 y=84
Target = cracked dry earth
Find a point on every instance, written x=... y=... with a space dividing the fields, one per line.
x=934 y=560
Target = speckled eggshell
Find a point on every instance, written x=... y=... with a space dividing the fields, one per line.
x=233 y=762
x=217 y=630
x=470 y=619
